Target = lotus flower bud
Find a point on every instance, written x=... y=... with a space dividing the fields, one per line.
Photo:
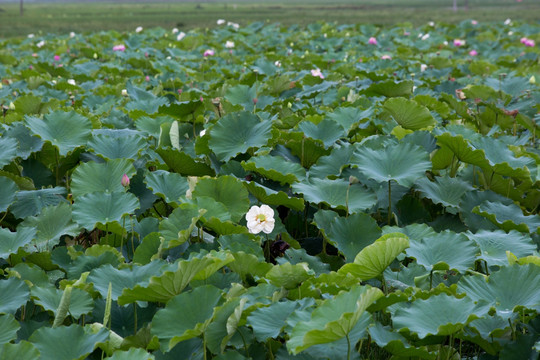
x=125 y=180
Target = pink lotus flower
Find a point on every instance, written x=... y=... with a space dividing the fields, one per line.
x=125 y=180
x=119 y=47
x=208 y=52
x=527 y=42
x=56 y=57
x=474 y=22
x=473 y=52
x=459 y=42
x=317 y=73
x=372 y=41
x=147 y=78
x=386 y=57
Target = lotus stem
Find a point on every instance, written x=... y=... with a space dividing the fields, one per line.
x=389 y=202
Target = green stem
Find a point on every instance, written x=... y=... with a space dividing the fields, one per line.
x=347 y=201
x=389 y=202
x=244 y=341
x=57 y=168
x=431 y=279
x=348 y=347
x=135 y=317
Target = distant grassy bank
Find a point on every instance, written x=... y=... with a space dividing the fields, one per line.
x=123 y=16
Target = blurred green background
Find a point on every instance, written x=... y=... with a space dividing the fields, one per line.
x=80 y=16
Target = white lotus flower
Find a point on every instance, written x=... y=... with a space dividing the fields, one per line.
x=72 y=34
x=260 y=219
x=508 y=21
x=423 y=67
x=180 y=35
x=31 y=36
x=71 y=82
x=124 y=92
x=425 y=37
x=229 y=44
x=40 y=44
x=174 y=30
x=221 y=22
x=138 y=29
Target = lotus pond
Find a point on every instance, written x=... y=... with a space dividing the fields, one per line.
x=397 y=172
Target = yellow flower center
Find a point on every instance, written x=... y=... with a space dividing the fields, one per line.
x=261 y=217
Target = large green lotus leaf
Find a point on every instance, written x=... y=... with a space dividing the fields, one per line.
x=170 y=186
x=67 y=342
x=438 y=315
x=116 y=147
x=171 y=283
x=445 y=251
x=275 y=168
x=409 y=114
x=397 y=344
x=288 y=275
x=332 y=165
x=242 y=95
x=328 y=131
x=297 y=256
x=343 y=232
x=508 y=290
x=31 y=273
x=338 y=349
x=147 y=249
x=49 y=298
x=182 y=163
x=8 y=188
x=333 y=319
x=20 y=351
x=502 y=159
x=236 y=133
x=249 y=265
x=349 y=117
x=272 y=197
x=177 y=228
x=186 y=315
x=227 y=190
x=119 y=279
x=444 y=190
x=152 y=126
x=13 y=294
x=51 y=224
x=64 y=130
x=372 y=260
x=100 y=177
x=8 y=150
x=27 y=143
x=132 y=354
x=415 y=232
x=224 y=324
x=269 y=322
x=495 y=243
x=390 y=88
x=30 y=203
x=92 y=209
x=8 y=328
x=462 y=148
x=338 y=194
x=306 y=149
x=403 y=162
x=508 y=217
x=490 y=326
x=11 y=242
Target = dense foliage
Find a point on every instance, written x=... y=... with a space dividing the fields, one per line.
x=402 y=167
